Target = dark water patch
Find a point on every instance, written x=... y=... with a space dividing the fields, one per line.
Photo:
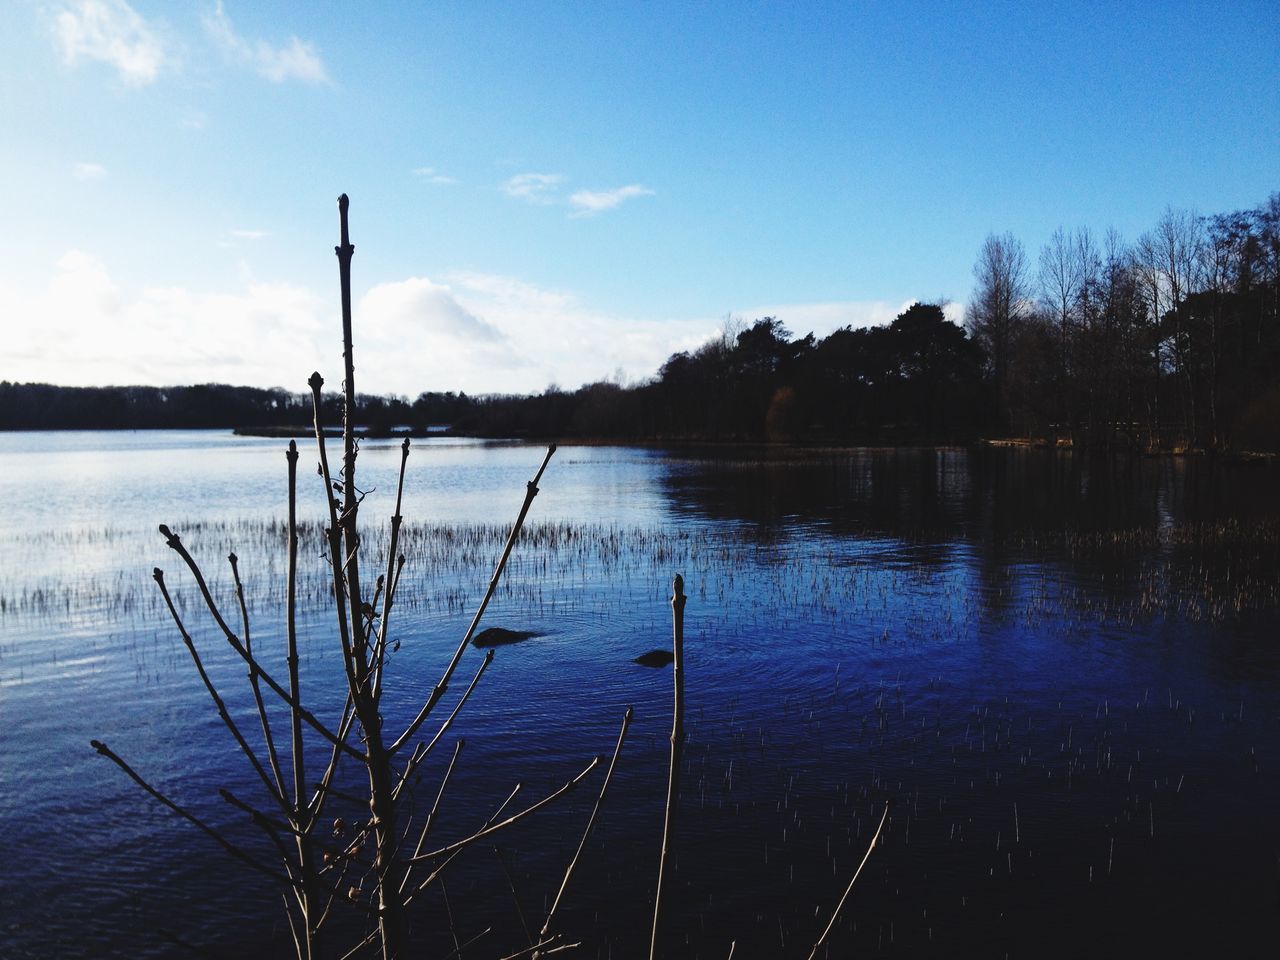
x=1063 y=678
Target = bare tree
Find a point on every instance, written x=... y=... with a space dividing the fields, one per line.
x=1061 y=282
x=1001 y=303
x=1168 y=260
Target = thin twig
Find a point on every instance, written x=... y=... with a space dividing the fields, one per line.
x=293 y=928
x=515 y=896
x=338 y=850
x=514 y=818
x=677 y=746
x=380 y=648
x=335 y=893
x=222 y=841
x=306 y=857
x=175 y=543
x=538 y=948
x=272 y=758
x=591 y=821
x=849 y=889
x=431 y=817
x=316 y=805
x=419 y=755
x=457 y=853
x=531 y=491
x=448 y=912
x=458 y=951
x=230 y=724
x=333 y=535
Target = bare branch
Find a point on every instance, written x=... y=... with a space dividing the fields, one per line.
x=457 y=853
x=176 y=544
x=380 y=648
x=418 y=757
x=431 y=817
x=591 y=821
x=849 y=889
x=531 y=491
x=272 y=757
x=514 y=818
x=222 y=841
x=515 y=896
x=230 y=724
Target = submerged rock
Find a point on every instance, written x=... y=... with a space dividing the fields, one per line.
x=497 y=636
x=654 y=658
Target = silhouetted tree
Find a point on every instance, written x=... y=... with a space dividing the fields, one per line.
x=1001 y=303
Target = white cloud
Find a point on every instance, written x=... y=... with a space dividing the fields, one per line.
x=513 y=294
x=409 y=307
x=478 y=332
x=432 y=175
x=110 y=31
x=83 y=329
x=295 y=60
x=534 y=187
x=415 y=335
x=88 y=171
x=562 y=341
x=543 y=189
x=587 y=203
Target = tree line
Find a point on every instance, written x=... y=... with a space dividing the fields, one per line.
x=916 y=379
x=1169 y=342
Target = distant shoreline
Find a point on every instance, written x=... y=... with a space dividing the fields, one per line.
x=306 y=432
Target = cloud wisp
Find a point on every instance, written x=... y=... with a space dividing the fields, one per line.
x=538 y=188
x=588 y=203
x=111 y=32
x=296 y=59
x=543 y=189
x=85 y=171
x=432 y=175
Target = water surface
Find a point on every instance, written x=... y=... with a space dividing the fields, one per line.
x=1062 y=674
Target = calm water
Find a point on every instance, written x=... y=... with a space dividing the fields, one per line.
x=1063 y=675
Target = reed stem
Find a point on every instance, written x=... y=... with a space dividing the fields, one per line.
x=677 y=747
x=591 y=821
x=849 y=889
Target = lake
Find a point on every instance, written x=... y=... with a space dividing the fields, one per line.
x=1062 y=673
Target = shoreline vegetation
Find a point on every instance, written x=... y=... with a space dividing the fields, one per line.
x=1170 y=343
x=399 y=431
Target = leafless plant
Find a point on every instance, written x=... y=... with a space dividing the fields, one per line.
x=367 y=865
x=366 y=858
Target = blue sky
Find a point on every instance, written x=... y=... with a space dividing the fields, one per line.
x=562 y=192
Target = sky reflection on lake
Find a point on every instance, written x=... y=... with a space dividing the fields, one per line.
x=960 y=633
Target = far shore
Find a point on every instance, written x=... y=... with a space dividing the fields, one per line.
x=1030 y=443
